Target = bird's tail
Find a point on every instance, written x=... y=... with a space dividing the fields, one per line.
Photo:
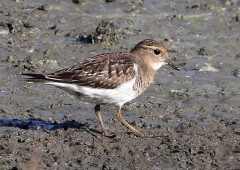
x=34 y=77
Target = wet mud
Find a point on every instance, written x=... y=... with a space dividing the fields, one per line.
x=190 y=117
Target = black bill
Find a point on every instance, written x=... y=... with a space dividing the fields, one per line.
x=173 y=66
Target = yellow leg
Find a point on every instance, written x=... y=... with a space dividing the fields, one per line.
x=97 y=111
x=121 y=119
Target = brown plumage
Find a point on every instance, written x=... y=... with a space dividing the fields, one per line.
x=112 y=78
x=102 y=71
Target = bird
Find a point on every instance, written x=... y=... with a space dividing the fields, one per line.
x=113 y=78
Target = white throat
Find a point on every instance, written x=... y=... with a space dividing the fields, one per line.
x=156 y=66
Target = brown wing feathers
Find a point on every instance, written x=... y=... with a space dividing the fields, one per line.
x=102 y=71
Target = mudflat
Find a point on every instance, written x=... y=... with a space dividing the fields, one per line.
x=190 y=117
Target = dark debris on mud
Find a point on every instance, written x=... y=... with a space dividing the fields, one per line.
x=105 y=33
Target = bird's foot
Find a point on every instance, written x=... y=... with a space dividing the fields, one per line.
x=108 y=133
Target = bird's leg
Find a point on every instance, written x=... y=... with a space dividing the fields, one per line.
x=125 y=123
x=97 y=111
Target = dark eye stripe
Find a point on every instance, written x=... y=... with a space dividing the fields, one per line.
x=156 y=51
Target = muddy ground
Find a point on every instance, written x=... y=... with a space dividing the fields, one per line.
x=191 y=117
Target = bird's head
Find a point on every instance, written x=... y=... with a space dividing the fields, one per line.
x=153 y=53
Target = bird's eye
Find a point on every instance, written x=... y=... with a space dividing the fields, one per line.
x=157 y=52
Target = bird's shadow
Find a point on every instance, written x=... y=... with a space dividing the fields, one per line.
x=33 y=123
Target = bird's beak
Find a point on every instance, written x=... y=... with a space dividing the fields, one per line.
x=173 y=66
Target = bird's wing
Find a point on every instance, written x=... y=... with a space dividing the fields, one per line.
x=105 y=71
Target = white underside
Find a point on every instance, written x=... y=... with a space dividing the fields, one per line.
x=118 y=96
